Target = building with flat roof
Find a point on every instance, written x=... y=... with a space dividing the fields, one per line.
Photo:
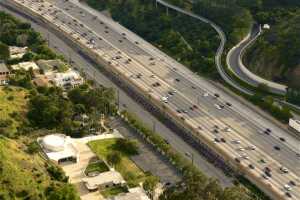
x=4 y=74
x=17 y=52
x=26 y=66
x=66 y=79
x=59 y=148
x=134 y=194
x=104 y=180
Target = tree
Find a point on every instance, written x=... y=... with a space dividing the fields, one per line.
x=62 y=192
x=150 y=184
x=114 y=158
x=4 y=51
x=127 y=146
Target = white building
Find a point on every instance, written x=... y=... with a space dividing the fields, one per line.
x=59 y=148
x=295 y=124
x=4 y=74
x=17 y=52
x=104 y=180
x=70 y=78
x=26 y=66
x=133 y=194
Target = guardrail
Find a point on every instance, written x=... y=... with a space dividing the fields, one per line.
x=187 y=130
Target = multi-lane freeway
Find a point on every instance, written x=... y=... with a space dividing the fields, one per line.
x=265 y=153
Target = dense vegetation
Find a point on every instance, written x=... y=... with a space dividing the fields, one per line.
x=189 y=41
x=16 y=33
x=24 y=176
x=275 y=55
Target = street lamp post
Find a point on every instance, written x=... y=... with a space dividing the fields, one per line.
x=191 y=156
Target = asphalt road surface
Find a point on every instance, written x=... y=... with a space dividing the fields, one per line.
x=127 y=102
x=215 y=115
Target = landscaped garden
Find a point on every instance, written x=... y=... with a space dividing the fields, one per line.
x=108 y=148
x=113 y=191
x=96 y=167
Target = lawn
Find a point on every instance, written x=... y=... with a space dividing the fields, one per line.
x=129 y=170
x=97 y=166
x=113 y=191
x=13 y=106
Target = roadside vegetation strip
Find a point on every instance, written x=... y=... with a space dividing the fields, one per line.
x=181 y=163
x=128 y=169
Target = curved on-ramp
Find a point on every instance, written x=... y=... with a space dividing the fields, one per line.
x=235 y=64
x=220 y=50
x=234 y=56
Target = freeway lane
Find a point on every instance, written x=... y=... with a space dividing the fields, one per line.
x=108 y=31
x=81 y=63
x=180 y=99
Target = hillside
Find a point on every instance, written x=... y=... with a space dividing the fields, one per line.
x=276 y=54
x=24 y=176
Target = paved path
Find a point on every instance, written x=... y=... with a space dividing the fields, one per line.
x=75 y=170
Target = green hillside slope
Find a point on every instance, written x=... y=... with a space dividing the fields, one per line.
x=26 y=177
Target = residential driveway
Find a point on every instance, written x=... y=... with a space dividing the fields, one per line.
x=75 y=170
x=148 y=158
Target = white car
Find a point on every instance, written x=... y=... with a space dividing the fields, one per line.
x=236 y=141
x=205 y=94
x=241 y=149
x=287 y=187
x=218 y=107
x=164 y=99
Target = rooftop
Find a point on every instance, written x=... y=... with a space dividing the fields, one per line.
x=133 y=194
x=25 y=65
x=3 y=67
x=104 y=178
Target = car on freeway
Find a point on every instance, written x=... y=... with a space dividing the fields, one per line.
x=287 y=187
x=282 y=139
x=251 y=166
x=277 y=148
x=284 y=170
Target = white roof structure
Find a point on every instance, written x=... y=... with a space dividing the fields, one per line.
x=17 y=52
x=26 y=66
x=110 y=177
x=134 y=194
x=70 y=77
x=58 y=147
x=295 y=124
x=266 y=26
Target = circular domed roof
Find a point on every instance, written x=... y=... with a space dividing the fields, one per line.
x=54 y=142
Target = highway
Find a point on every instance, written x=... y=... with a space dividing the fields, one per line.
x=235 y=63
x=208 y=113
x=220 y=50
x=126 y=101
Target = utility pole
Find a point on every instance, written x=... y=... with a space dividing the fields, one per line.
x=153 y=126
x=118 y=98
x=48 y=39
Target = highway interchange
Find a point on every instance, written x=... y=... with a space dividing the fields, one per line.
x=213 y=118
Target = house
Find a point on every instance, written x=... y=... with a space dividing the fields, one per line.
x=104 y=180
x=4 y=73
x=67 y=79
x=266 y=26
x=59 y=148
x=49 y=66
x=133 y=194
x=17 y=52
x=26 y=66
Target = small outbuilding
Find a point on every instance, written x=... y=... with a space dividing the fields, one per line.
x=59 y=148
x=4 y=74
x=104 y=180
